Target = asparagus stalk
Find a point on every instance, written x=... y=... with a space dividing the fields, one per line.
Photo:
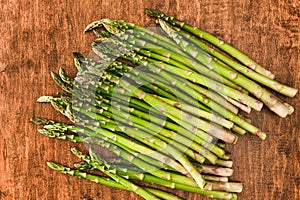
x=206 y=169
x=198 y=112
x=136 y=41
x=111 y=183
x=271 y=83
x=180 y=157
x=192 y=145
x=241 y=106
x=92 y=160
x=197 y=131
x=167 y=109
x=229 y=115
x=142 y=134
x=213 y=40
x=129 y=157
x=207 y=82
x=171 y=126
x=219 y=185
x=113 y=138
x=211 y=130
x=107 y=181
x=173 y=82
x=270 y=100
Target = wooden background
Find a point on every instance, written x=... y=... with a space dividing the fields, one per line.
x=39 y=36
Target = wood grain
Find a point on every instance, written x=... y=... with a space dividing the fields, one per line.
x=39 y=36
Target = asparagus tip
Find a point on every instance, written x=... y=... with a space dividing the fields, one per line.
x=44 y=99
x=54 y=166
x=62 y=72
x=91 y=26
x=55 y=77
x=40 y=121
x=78 y=55
x=77 y=152
x=83 y=166
x=152 y=12
x=50 y=133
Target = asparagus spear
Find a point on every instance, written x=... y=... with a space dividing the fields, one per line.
x=196 y=77
x=196 y=111
x=167 y=109
x=213 y=40
x=229 y=115
x=135 y=41
x=197 y=131
x=192 y=145
x=157 y=142
x=110 y=182
x=181 y=158
x=270 y=100
x=232 y=117
x=220 y=186
x=107 y=181
x=204 y=168
x=106 y=169
x=222 y=59
x=113 y=138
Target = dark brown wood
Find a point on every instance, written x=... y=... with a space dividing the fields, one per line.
x=39 y=36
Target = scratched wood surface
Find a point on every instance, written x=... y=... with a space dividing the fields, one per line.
x=39 y=36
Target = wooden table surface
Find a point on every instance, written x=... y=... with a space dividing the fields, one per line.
x=39 y=36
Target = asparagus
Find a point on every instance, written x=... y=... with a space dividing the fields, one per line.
x=171 y=126
x=213 y=40
x=271 y=83
x=198 y=112
x=113 y=138
x=173 y=81
x=206 y=169
x=176 y=154
x=192 y=145
x=115 y=26
x=135 y=40
x=214 y=85
x=106 y=181
x=179 y=62
x=97 y=141
x=226 y=113
x=231 y=116
x=135 y=175
x=187 y=125
x=176 y=128
x=167 y=109
x=106 y=169
x=270 y=100
x=134 y=160
x=241 y=106
x=207 y=145
x=158 y=142
x=228 y=124
x=111 y=183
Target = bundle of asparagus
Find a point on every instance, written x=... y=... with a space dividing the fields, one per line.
x=164 y=103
